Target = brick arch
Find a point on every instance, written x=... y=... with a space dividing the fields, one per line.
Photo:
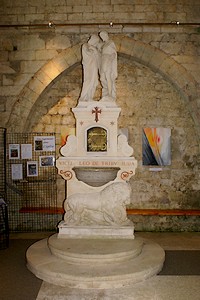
x=146 y=54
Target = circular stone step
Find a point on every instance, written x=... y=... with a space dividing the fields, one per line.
x=98 y=251
x=55 y=270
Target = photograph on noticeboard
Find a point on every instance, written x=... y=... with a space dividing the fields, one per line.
x=32 y=168
x=46 y=161
x=14 y=151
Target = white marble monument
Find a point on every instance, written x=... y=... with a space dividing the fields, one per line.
x=97 y=164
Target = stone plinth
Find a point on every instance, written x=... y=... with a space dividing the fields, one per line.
x=120 y=232
x=97 y=251
x=97 y=164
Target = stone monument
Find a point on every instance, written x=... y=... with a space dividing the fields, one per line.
x=97 y=164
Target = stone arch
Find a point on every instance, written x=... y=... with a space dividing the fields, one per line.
x=146 y=54
x=170 y=70
x=38 y=83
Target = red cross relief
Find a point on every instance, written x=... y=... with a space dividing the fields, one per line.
x=96 y=111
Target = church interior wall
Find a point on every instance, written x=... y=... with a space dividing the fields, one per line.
x=148 y=97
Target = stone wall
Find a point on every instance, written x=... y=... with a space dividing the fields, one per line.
x=176 y=186
x=87 y=11
x=157 y=86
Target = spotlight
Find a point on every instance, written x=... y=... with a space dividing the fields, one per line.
x=111 y=24
x=51 y=24
x=175 y=22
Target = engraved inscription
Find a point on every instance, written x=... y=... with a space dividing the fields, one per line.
x=96 y=139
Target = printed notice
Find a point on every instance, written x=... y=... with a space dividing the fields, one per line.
x=44 y=143
x=16 y=172
x=26 y=151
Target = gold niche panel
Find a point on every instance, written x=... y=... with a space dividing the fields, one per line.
x=96 y=139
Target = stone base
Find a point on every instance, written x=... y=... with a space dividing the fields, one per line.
x=94 y=264
x=121 y=232
x=91 y=250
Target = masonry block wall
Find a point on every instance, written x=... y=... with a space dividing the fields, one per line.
x=158 y=84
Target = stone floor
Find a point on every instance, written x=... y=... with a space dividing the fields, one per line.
x=156 y=288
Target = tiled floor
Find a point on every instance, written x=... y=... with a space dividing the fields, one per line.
x=156 y=288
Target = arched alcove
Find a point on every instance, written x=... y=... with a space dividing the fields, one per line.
x=145 y=54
